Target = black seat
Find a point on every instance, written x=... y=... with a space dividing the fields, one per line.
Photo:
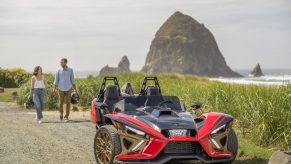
x=111 y=97
x=152 y=91
x=153 y=96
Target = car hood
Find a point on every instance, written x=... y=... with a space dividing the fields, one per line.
x=168 y=121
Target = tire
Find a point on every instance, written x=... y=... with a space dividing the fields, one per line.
x=106 y=144
x=232 y=145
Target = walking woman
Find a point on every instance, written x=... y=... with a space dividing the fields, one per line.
x=37 y=90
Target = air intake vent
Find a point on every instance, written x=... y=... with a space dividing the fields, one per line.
x=180 y=147
x=126 y=143
x=159 y=113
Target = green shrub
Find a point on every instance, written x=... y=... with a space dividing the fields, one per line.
x=12 y=78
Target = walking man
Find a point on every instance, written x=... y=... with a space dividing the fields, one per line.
x=65 y=82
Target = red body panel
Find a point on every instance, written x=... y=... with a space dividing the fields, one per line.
x=158 y=141
x=212 y=121
x=93 y=111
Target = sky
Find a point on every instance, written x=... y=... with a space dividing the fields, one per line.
x=93 y=33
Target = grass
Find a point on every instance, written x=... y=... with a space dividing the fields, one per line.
x=250 y=153
x=6 y=95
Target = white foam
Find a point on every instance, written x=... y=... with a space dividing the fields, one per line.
x=264 y=80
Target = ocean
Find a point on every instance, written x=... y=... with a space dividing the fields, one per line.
x=271 y=77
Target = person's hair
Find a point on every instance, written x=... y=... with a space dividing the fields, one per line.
x=65 y=60
x=36 y=69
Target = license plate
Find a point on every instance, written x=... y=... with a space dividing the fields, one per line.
x=178 y=132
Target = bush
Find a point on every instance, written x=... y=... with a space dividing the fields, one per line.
x=12 y=78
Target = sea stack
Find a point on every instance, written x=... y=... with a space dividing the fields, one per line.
x=257 y=71
x=123 y=66
x=183 y=45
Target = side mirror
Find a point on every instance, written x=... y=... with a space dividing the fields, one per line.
x=196 y=105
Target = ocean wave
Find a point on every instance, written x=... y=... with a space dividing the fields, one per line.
x=264 y=80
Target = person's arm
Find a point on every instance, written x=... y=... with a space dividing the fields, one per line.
x=56 y=81
x=32 y=81
x=73 y=80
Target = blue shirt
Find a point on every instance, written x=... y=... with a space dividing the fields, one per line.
x=64 y=79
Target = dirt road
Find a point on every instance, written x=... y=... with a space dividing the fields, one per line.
x=53 y=141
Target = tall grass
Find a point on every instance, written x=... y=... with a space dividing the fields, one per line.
x=11 y=78
x=263 y=113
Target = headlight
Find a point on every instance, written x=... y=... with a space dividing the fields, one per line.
x=138 y=132
x=221 y=128
x=218 y=136
x=214 y=137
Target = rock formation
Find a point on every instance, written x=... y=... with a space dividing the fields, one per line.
x=257 y=71
x=123 y=66
x=185 y=46
x=280 y=157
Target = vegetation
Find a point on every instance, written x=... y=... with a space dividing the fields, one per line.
x=250 y=153
x=262 y=113
x=6 y=96
x=11 y=78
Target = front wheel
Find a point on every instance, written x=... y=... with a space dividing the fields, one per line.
x=232 y=145
x=106 y=144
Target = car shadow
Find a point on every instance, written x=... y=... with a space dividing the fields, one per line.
x=251 y=161
x=65 y=122
x=240 y=161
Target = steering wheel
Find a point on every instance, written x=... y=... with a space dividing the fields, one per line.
x=164 y=102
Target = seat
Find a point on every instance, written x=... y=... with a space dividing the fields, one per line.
x=111 y=97
x=152 y=91
x=153 y=96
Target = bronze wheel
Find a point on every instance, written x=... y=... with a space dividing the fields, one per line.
x=106 y=144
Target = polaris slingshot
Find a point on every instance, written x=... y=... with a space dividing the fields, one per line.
x=152 y=128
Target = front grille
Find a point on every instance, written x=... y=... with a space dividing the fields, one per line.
x=181 y=147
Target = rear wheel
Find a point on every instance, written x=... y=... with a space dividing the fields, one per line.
x=106 y=144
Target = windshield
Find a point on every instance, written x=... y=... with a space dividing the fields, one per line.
x=134 y=104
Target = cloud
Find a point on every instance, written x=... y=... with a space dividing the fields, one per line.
x=97 y=32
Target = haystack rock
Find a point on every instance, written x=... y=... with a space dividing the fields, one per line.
x=123 y=66
x=183 y=45
x=257 y=71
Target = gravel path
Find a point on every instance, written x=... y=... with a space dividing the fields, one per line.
x=53 y=141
